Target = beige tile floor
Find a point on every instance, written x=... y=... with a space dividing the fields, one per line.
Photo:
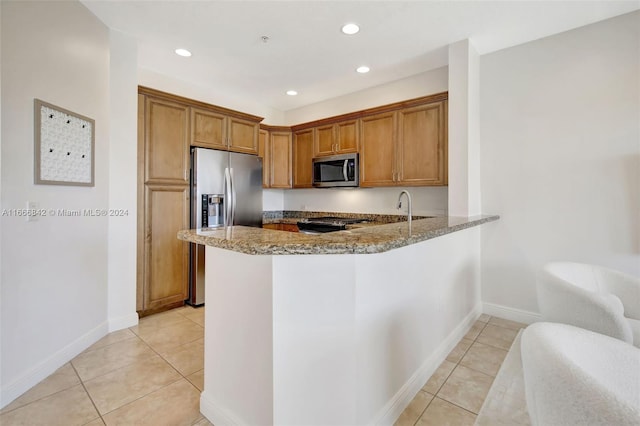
x=454 y=394
x=152 y=374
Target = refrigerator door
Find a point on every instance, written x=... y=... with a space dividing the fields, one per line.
x=207 y=177
x=246 y=197
x=239 y=178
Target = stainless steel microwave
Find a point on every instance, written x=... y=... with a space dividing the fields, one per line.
x=336 y=171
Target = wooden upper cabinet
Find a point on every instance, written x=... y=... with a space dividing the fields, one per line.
x=377 y=150
x=324 y=140
x=280 y=159
x=303 y=158
x=421 y=145
x=243 y=135
x=347 y=136
x=208 y=129
x=263 y=152
x=166 y=142
x=340 y=138
x=407 y=147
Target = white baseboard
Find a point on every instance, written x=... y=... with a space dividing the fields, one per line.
x=41 y=371
x=396 y=405
x=512 y=314
x=215 y=414
x=124 y=321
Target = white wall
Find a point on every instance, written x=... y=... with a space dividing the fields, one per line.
x=426 y=200
x=560 y=156
x=54 y=270
x=427 y=83
x=219 y=96
x=464 y=137
x=123 y=175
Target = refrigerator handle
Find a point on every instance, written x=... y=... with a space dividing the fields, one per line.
x=227 y=198
x=233 y=197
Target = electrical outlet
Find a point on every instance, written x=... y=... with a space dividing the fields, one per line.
x=32 y=207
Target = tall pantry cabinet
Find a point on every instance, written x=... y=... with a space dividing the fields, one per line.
x=168 y=126
x=163 y=197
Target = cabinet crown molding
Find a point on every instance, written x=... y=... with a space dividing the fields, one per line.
x=437 y=97
x=142 y=90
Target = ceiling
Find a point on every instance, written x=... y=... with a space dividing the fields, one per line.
x=306 y=50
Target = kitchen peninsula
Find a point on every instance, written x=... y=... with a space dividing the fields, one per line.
x=334 y=329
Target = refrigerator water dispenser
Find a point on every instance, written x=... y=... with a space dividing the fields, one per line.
x=212 y=210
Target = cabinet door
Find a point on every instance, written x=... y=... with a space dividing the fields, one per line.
x=243 y=136
x=280 y=159
x=166 y=142
x=421 y=145
x=263 y=152
x=166 y=271
x=325 y=141
x=377 y=150
x=302 y=159
x=347 y=136
x=208 y=129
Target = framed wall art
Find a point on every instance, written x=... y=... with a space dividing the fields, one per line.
x=64 y=146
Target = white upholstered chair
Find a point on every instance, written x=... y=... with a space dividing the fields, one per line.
x=576 y=377
x=591 y=297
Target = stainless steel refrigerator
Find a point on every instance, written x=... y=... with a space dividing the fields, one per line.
x=226 y=190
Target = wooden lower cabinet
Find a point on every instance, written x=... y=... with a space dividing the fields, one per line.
x=289 y=227
x=303 y=159
x=166 y=267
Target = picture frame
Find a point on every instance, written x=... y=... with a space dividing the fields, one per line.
x=64 y=146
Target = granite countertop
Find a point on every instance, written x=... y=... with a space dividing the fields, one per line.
x=359 y=240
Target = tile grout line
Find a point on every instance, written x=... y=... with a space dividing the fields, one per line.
x=147 y=394
x=171 y=365
x=459 y=406
x=82 y=382
x=451 y=372
x=475 y=340
x=88 y=394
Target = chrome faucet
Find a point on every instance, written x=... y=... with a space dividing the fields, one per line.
x=408 y=206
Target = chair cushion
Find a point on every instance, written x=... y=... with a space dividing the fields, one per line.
x=635 y=330
x=578 y=377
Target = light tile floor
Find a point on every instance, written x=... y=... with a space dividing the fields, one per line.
x=455 y=392
x=152 y=374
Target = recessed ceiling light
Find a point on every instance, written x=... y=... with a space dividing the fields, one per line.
x=350 y=29
x=183 y=52
x=363 y=69
x=291 y=92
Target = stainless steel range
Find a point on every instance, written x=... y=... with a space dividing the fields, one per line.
x=319 y=225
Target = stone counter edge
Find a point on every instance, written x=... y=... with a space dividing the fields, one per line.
x=374 y=239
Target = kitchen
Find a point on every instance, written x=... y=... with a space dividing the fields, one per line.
x=510 y=255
